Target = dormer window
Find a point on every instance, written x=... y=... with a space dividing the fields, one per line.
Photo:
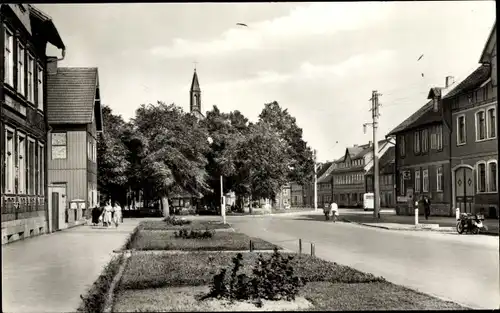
x=435 y=104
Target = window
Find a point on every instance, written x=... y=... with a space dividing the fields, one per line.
x=41 y=169
x=21 y=69
x=59 y=148
x=9 y=160
x=439 y=137
x=31 y=167
x=95 y=150
x=435 y=104
x=417 y=180
x=492 y=123
x=40 y=88
x=21 y=163
x=461 y=130
x=9 y=57
x=402 y=146
x=439 y=178
x=425 y=180
x=31 y=78
x=425 y=140
x=402 y=184
x=481 y=176
x=416 y=142
x=480 y=126
x=492 y=176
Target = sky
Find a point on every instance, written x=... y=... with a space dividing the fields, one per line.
x=320 y=61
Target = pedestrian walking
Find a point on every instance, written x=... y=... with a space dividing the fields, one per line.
x=95 y=216
x=107 y=219
x=327 y=211
x=427 y=207
x=117 y=217
x=334 y=208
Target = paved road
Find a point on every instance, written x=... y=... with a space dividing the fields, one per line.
x=49 y=273
x=464 y=269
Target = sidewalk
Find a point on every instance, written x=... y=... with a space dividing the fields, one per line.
x=48 y=273
x=390 y=221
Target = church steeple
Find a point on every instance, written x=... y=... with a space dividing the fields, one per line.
x=195 y=96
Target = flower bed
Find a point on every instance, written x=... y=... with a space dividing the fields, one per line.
x=198 y=268
x=175 y=282
x=195 y=225
x=153 y=240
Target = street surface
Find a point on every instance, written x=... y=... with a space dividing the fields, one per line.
x=49 y=273
x=460 y=268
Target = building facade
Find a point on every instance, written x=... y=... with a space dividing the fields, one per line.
x=474 y=162
x=349 y=177
x=25 y=32
x=387 y=171
x=75 y=119
x=297 y=195
x=195 y=97
x=423 y=157
x=325 y=185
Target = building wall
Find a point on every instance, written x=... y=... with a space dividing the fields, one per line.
x=73 y=170
x=23 y=215
x=406 y=194
x=473 y=151
x=386 y=187
x=297 y=197
x=324 y=194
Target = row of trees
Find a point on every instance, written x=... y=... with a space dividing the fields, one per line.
x=164 y=151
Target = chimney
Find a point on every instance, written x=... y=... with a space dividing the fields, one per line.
x=51 y=65
x=450 y=80
x=355 y=145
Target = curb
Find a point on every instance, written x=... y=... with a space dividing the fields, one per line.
x=108 y=304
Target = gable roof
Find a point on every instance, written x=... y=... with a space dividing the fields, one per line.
x=473 y=81
x=323 y=169
x=386 y=159
x=71 y=95
x=195 y=85
x=490 y=45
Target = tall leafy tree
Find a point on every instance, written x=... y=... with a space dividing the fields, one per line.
x=112 y=163
x=301 y=158
x=173 y=146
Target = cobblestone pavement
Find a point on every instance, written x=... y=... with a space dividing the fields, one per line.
x=48 y=273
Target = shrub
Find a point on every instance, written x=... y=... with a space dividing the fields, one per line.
x=172 y=220
x=194 y=234
x=271 y=279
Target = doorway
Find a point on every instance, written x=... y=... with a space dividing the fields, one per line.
x=57 y=207
x=464 y=189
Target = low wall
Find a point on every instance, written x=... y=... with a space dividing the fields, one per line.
x=24 y=228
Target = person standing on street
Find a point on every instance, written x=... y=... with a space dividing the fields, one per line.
x=108 y=209
x=334 y=208
x=327 y=211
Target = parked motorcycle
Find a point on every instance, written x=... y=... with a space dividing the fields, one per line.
x=471 y=223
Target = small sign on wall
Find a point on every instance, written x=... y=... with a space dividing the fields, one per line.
x=73 y=205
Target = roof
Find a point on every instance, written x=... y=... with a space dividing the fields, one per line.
x=473 y=81
x=50 y=29
x=71 y=94
x=323 y=169
x=195 y=85
x=354 y=151
x=489 y=46
x=386 y=159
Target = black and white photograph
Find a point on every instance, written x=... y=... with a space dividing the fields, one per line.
x=249 y=156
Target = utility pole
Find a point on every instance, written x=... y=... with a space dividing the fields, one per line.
x=376 y=190
x=222 y=202
x=315 y=181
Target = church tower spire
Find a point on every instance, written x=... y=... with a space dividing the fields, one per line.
x=195 y=96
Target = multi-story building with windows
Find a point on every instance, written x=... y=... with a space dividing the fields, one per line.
x=25 y=32
x=75 y=120
x=297 y=195
x=349 y=176
x=472 y=106
x=423 y=156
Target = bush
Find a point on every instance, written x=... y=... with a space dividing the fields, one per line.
x=172 y=220
x=194 y=234
x=95 y=298
x=271 y=279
